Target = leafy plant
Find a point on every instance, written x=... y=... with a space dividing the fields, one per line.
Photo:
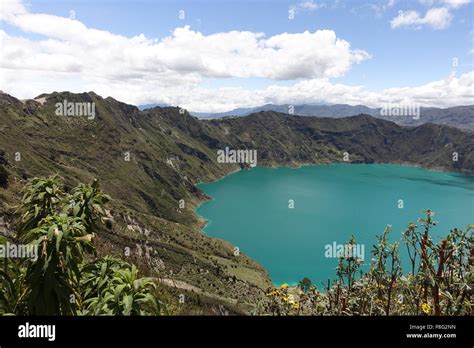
x=439 y=282
x=386 y=268
x=40 y=199
x=60 y=226
x=123 y=294
x=96 y=276
x=54 y=277
x=87 y=202
x=305 y=284
x=13 y=288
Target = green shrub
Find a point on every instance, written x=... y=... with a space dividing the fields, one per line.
x=438 y=282
x=60 y=225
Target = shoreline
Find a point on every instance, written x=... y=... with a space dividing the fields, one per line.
x=202 y=222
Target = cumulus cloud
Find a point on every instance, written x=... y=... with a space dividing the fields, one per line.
x=437 y=18
x=442 y=93
x=96 y=53
x=246 y=54
x=67 y=55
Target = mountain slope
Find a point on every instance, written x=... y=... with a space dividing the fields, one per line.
x=461 y=117
x=146 y=190
x=288 y=139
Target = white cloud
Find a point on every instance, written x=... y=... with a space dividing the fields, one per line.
x=174 y=70
x=309 y=5
x=437 y=18
x=73 y=47
x=446 y=92
x=232 y=54
x=378 y=8
x=448 y=3
x=406 y=18
x=456 y=3
x=306 y=5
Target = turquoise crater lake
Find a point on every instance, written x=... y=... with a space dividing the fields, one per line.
x=251 y=210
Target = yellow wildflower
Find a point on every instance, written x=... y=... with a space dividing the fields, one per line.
x=284 y=286
x=425 y=307
x=273 y=292
x=296 y=306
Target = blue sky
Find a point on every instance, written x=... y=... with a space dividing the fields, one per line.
x=415 y=53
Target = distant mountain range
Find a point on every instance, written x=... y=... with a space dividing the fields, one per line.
x=337 y=110
x=151 y=106
x=459 y=116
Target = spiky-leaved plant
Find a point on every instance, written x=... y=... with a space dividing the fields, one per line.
x=54 y=277
x=12 y=285
x=119 y=291
x=60 y=226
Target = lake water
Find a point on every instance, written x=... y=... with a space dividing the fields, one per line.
x=251 y=209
